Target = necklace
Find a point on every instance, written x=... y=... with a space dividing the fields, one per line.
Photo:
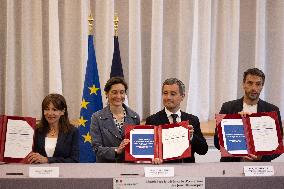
x=52 y=132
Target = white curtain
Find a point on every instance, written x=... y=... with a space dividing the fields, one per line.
x=208 y=44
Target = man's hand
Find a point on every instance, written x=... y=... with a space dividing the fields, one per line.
x=191 y=131
x=251 y=157
x=157 y=161
x=244 y=114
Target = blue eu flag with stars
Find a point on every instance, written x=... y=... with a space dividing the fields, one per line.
x=91 y=102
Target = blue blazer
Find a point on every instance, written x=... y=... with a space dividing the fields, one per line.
x=198 y=142
x=236 y=106
x=66 y=150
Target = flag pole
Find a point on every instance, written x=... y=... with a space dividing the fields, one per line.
x=91 y=24
x=115 y=20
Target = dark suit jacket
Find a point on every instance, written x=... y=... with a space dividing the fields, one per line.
x=236 y=106
x=105 y=134
x=198 y=143
x=66 y=150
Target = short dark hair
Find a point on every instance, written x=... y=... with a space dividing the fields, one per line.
x=59 y=103
x=171 y=81
x=256 y=72
x=115 y=80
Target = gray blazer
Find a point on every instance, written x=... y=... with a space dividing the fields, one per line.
x=105 y=135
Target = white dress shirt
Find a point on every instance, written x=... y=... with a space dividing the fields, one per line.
x=169 y=115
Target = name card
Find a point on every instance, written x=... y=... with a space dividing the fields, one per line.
x=159 y=171
x=258 y=171
x=44 y=172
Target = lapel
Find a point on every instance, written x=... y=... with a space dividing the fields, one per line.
x=239 y=105
x=60 y=142
x=183 y=116
x=130 y=118
x=108 y=123
x=260 y=106
x=41 y=141
x=130 y=115
x=163 y=118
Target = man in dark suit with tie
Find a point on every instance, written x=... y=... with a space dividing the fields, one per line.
x=253 y=81
x=173 y=91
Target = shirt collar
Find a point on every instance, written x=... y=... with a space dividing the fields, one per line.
x=169 y=113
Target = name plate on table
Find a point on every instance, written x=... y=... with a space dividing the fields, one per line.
x=43 y=172
x=258 y=171
x=159 y=171
x=159 y=183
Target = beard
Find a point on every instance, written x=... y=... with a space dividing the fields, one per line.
x=252 y=95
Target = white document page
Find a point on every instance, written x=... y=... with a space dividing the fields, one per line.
x=175 y=141
x=264 y=133
x=19 y=139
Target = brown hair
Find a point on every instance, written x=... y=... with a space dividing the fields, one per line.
x=59 y=103
x=171 y=81
x=256 y=72
x=115 y=80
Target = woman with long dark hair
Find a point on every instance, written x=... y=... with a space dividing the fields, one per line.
x=55 y=139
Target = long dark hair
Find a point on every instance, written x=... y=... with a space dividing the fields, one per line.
x=59 y=103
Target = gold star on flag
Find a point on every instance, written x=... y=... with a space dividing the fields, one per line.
x=87 y=138
x=82 y=121
x=93 y=89
x=84 y=104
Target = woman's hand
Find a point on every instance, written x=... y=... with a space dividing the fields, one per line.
x=122 y=145
x=36 y=158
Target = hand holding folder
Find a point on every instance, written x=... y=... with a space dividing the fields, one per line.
x=165 y=142
x=252 y=135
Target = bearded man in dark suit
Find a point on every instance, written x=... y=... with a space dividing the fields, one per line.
x=173 y=91
x=253 y=81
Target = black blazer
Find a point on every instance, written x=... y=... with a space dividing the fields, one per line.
x=66 y=150
x=198 y=142
x=236 y=106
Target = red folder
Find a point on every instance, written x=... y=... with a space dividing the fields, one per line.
x=248 y=134
x=3 y=129
x=158 y=145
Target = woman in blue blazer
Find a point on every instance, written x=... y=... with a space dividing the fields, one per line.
x=55 y=139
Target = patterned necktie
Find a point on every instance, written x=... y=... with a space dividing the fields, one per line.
x=174 y=116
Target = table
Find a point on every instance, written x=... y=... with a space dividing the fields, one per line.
x=100 y=175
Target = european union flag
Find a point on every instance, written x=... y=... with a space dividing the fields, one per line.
x=116 y=66
x=91 y=102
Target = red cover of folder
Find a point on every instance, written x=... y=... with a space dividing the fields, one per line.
x=3 y=129
x=248 y=134
x=158 y=145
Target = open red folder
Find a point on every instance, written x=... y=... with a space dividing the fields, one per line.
x=167 y=142
x=258 y=134
x=16 y=133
